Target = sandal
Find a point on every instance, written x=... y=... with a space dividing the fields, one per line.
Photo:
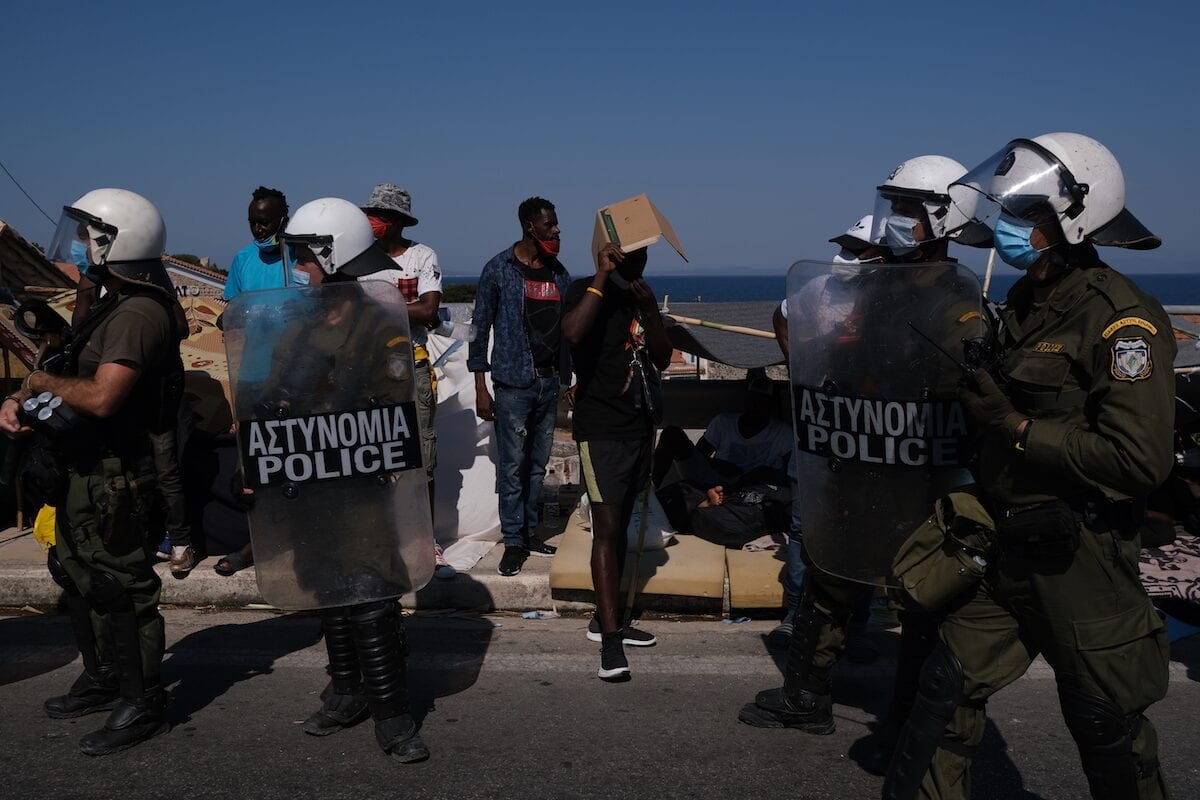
x=234 y=562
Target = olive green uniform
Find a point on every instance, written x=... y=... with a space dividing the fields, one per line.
x=827 y=601
x=359 y=358
x=348 y=353
x=103 y=523
x=1092 y=368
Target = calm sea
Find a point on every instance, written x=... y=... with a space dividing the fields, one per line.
x=1170 y=289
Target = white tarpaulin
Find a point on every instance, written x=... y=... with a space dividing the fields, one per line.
x=466 y=516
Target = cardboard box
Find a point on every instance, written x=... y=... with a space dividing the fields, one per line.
x=632 y=224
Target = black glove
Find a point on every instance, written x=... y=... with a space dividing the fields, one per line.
x=242 y=500
x=988 y=405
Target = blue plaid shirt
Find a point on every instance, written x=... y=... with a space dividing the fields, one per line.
x=500 y=303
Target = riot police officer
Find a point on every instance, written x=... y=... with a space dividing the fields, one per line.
x=342 y=527
x=914 y=223
x=1076 y=430
x=121 y=376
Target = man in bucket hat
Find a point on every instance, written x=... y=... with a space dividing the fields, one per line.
x=419 y=279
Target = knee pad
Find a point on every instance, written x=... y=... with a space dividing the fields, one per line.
x=1104 y=735
x=106 y=590
x=939 y=694
x=1095 y=722
x=58 y=572
x=941 y=679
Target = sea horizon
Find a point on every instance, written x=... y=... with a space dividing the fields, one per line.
x=1169 y=288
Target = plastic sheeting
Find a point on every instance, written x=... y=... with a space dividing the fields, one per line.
x=466 y=517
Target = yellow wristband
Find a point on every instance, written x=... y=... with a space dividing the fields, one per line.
x=595 y=291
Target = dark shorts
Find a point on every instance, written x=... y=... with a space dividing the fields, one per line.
x=615 y=471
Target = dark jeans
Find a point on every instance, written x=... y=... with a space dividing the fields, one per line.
x=524 y=434
x=170 y=488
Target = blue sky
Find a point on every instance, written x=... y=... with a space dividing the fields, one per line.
x=759 y=128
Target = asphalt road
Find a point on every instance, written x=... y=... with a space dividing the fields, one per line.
x=515 y=711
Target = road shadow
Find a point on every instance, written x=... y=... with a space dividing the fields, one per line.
x=869 y=687
x=446 y=653
x=446 y=650
x=196 y=674
x=35 y=644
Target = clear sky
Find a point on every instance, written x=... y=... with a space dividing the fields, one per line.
x=759 y=128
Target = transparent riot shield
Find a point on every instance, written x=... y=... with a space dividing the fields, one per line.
x=324 y=396
x=876 y=354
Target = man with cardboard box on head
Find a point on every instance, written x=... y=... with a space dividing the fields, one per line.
x=618 y=347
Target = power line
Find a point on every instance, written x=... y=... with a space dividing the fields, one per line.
x=22 y=188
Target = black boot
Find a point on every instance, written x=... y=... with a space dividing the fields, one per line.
x=96 y=688
x=343 y=701
x=133 y=721
x=804 y=701
x=141 y=711
x=91 y=692
x=381 y=660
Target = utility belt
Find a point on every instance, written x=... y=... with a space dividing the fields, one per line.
x=1051 y=529
x=65 y=442
x=123 y=501
x=949 y=553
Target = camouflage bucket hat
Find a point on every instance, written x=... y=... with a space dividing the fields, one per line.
x=390 y=197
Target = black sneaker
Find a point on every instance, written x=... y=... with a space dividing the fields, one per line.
x=542 y=549
x=512 y=560
x=613 y=665
x=631 y=636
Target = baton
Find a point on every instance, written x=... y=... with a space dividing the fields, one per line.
x=966 y=370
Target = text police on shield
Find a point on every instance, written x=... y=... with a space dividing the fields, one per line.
x=323 y=447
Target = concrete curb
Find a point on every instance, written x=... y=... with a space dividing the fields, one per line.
x=27 y=583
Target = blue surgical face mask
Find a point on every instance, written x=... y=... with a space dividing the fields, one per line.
x=271 y=243
x=1012 y=242
x=299 y=277
x=79 y=255
x=898 y=234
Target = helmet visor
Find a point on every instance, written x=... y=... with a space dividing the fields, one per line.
x=80 y=239
x=901 y=220
x=1023 y=180
x=301 y=251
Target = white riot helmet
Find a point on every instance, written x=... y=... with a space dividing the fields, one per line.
x=915 y=193
x=336 y=235
x=1068 y=174
x=115 y=230
x=849 y=262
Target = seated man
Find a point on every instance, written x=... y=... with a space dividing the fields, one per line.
x=736 y=451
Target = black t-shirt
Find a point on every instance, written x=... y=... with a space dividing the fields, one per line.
x=543 y=316
x=607 y=399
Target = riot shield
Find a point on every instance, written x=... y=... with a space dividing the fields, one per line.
x=876 y=354
x=323 y=388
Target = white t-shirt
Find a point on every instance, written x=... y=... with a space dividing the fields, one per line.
x=416 y=273
x=824 y=303
x=770 y=447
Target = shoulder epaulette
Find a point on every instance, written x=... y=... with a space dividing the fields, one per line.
x=1120 y=292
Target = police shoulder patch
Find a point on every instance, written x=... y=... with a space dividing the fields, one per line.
x=1131 y=360
x=1130 y=322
